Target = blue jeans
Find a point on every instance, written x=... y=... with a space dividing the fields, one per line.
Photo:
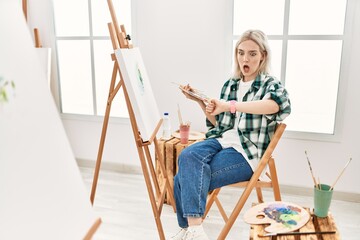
x=205 y=166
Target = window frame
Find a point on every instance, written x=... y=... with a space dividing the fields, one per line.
x=343 y=74
x=91 y=38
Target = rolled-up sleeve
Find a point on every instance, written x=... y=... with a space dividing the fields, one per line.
x=209 y=125
x=279 y=94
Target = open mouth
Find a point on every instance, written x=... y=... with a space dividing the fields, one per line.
x=246 y=68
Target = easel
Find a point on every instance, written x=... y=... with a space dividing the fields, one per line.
x=121 y=39
x=36 y=31
x=24 y=8
x=37 y=38
x=89 y=235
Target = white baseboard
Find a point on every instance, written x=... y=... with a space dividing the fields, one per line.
x=343 y=196
x=294 y=190
x=117 y=167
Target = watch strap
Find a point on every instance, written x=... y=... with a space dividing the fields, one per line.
x=232 y=106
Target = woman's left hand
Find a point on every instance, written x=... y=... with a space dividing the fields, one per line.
x=214 y=107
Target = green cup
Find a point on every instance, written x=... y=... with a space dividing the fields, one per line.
x=322 y=200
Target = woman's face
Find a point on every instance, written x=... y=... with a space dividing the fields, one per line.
x=249 y=58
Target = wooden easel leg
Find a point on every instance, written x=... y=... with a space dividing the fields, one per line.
x=103 y=134
x=25 y=8
x=140 y=146
x=152 y=171
x=92 y=230
x=151 y=193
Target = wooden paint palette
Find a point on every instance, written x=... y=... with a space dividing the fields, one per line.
x=192 y=135
x=282 y=216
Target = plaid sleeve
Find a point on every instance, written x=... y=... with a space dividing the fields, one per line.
x=223 y=95
x=278 y=93
x=209 y=125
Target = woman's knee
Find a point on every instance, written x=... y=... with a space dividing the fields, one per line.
x=185 y=155
x=176 y=181
x=198 y=152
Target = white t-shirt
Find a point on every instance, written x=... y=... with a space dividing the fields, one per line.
x=231 y=138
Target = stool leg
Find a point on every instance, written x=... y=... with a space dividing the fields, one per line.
x=259 y=195
x=274 y=179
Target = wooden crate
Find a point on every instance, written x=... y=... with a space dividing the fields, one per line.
x=315 y=224
x=170 y=150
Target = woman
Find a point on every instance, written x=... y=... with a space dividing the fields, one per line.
x=241 y=124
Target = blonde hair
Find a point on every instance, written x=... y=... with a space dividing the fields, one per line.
x=261 y=40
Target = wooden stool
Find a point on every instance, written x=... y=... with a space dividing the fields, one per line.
x=315 y=224
x=170 y=150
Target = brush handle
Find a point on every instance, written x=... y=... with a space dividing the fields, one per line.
x=332 y=186
x=295 y=233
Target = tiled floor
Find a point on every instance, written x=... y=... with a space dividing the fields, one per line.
x=122 y=202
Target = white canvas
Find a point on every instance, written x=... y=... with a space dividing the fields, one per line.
x=139 y=89
x=42 y=194
x=45 y=60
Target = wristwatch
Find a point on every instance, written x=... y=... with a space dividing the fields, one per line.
x=232 y=106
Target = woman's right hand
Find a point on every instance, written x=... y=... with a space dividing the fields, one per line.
x=189 y=88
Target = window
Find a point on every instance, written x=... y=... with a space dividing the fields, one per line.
x=83 y=52
x=307 y=44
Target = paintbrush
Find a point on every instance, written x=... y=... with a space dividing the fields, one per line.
x=312 y=174
x=179 y=115
x=194 y=93
x=295 y=233
x=332 y=186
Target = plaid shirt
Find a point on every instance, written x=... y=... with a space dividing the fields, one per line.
x=255 y=131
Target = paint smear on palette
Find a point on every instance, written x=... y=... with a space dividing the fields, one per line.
x=282 y=216
x=285 y=214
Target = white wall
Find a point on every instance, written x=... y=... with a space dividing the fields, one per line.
x=190 y=42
